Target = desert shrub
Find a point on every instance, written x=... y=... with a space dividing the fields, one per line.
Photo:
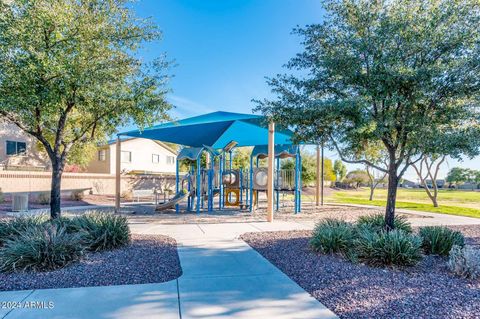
x=103 y=230
x=381 y=248
x=43 y=198
x=377 y=222
x=439 y=240
x=77 y=195
x=42 y=247
x=69 y=224
x=464 y=262
x=13 y=227
x=332 y=236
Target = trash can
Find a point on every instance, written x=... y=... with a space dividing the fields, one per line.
x=20 y=202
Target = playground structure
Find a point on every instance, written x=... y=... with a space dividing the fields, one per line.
x=236 y=188
x=208 y=143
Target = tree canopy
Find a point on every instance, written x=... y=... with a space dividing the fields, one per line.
x=70 y=74
x=402 y=73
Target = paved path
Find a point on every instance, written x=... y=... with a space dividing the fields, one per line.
x=222 y=278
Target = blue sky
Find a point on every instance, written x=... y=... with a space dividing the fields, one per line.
x=224 y=49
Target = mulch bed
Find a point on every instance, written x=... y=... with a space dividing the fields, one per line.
x=427 y=290
x=148 y=259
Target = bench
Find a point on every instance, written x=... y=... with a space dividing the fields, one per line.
x=137 y=193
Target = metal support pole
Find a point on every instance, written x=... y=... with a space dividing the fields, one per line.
x=177 y=182
x=277 y=189
x=270 y=170
x=317 y=184
x=300 y=184
x=323 y=174
x=199 y=183
x=118 y=153
x=296 y=184
x=251 y=183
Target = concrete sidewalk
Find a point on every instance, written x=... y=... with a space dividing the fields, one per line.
x=222 y=277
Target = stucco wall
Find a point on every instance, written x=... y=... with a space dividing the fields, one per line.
x=13 y=182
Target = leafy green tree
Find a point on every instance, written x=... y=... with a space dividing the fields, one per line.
x=69 y=71
x=340 y=170
x=309 y=168
x=457 y=175
x=241 y=157
x=398 y=72
x=357 y=178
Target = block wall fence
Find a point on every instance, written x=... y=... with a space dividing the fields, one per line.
x=103 y=184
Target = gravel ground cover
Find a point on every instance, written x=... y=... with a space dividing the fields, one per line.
x=427 y=290
x=146 y=214
x=148 y=259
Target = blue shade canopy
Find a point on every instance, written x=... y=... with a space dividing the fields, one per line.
x=191 y=153
x=215 y=129
x=281 y=151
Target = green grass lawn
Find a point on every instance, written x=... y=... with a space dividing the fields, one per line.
x=454 y=202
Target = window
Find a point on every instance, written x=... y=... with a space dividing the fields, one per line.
x=102 y=155
x=170 y=160
x=155 y=158
x=126 y=157
x=16 y=148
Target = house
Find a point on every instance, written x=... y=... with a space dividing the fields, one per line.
x=20 y=151
x=138 y=156
x=405 y=183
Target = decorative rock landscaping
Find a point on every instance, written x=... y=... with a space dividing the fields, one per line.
x=427 y=290
x=147 y=259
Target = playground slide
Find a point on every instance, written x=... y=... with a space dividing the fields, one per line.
x=172 y=202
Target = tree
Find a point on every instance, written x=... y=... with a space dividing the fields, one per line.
x=375 y=177
x=357 y=178
x=69 y=71
x=396 y=72
x=428 y=168
x=309 y=168
x=241 y=157
x=340 y=170
x=457 y=175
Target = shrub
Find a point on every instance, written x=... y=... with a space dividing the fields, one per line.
x=2 y=197
x=377 y=222
x=14 y=227
x=43 y=247
x=77 y=195
x=378 y=248
x=439 y=240
x=43 y=198
x=103 y=231
x=332 y=236
x=465 y=262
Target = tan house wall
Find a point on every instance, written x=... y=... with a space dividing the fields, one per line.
x=32 y=159
x=142 y=151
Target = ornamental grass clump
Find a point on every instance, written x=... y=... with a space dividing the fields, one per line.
x=103 y=231
x=40 y=248
x=376 y=222
x=382 y=248
x=464 y=262
x=439 y=240
x=12 y=228
x=332 y=236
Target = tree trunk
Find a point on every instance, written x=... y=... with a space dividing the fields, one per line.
x=372 y=189
x=57 y=170
x=391 y=197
